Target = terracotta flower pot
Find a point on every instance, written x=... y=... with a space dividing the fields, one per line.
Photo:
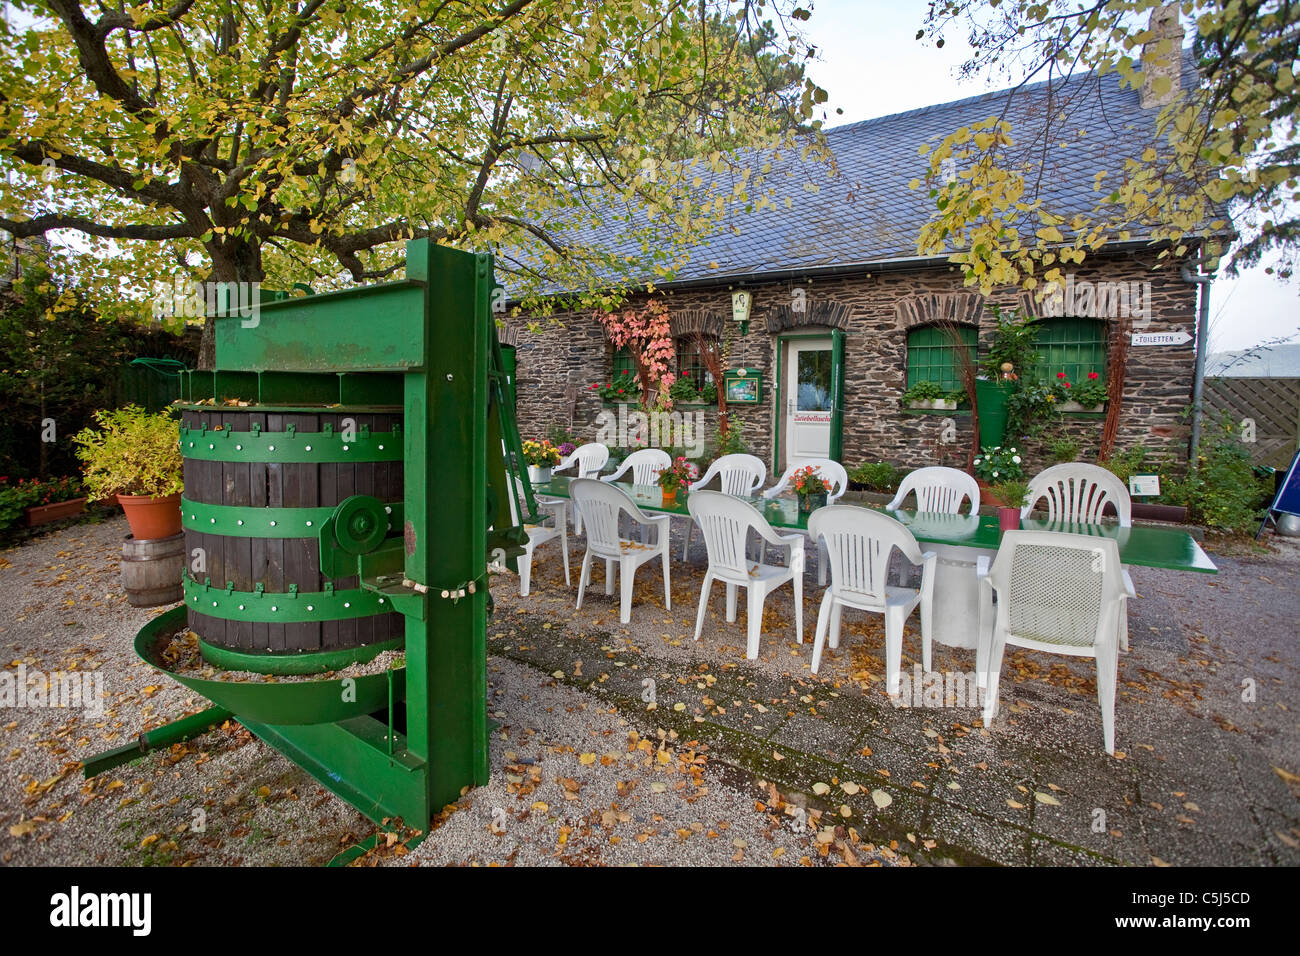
x=1008 y=519
x=150 y=517
x=669 y=496
x=44 y=514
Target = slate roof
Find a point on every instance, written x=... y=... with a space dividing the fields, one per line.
x=868 y=215
x=1264 y=361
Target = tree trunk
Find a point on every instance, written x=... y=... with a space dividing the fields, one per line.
x=235 y=261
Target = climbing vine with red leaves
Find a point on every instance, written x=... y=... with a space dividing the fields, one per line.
x=646 y=335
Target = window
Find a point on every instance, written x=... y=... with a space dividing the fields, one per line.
x=623 y=363
x=1073 y=346
x=690 y=364
x=932 y=356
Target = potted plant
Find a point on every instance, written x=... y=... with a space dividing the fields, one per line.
x=39 y=501
x=931 y=395
x=135 y=456
x=811 y=488
x=541 y=457
x=995 y=465
x=678 y=475
x=622 y=389
x=1010 y=495
x=54 y=499
x=1086 y=396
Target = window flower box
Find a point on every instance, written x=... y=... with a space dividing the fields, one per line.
x=1076 y=407
x=933 y=404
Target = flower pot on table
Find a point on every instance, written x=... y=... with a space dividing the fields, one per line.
x=810 y=503
x=1008 y=519
x=539 y=474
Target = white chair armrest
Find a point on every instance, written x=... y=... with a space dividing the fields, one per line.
x=768 y=534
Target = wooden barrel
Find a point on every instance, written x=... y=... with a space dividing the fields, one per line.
x=151 y=570
x=259 y=485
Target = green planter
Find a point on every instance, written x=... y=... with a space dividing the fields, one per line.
x=992 y=400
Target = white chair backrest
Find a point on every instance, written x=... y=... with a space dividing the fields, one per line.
x=832 y=472
x=645 y=465
x=938 y=489
x=859 y=543
x=725 y=522
x=1052 y=587
x=1079 y=492
x=601 y=504
x=740 y=474
x=588 y=459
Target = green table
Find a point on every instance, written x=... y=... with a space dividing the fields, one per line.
x=1148 y=546
x=959 y=540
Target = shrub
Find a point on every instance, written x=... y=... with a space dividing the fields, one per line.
x=876 y=476
x=998 y=464
x=733 y=444
x=1063 y=447
x=132 y=452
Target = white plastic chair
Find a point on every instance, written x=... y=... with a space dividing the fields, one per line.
x=859 y=543
x=938 y=490
x=585 y=461
x=726 y=522
x=1058 y=593
x=603 y=503
x=740 y=475
x=645 y=466
x=539 y=534
x=834 y=474
x=1078 y=493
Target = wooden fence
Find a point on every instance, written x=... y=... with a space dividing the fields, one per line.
x=1271 y=404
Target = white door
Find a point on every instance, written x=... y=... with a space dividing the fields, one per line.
x=809 y=394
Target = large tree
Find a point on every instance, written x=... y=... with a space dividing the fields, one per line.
x=1222 y=144
x=283 y=140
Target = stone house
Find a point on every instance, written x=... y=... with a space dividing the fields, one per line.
x=844 y=313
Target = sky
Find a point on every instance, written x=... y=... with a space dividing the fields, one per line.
x=871 y=64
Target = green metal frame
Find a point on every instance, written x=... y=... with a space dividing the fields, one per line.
x=430 y=348
x=291 y=446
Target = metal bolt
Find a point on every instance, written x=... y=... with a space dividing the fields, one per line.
x=309 y=447
x=449 y=376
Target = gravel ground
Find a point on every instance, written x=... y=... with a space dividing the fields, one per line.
x=637 y=745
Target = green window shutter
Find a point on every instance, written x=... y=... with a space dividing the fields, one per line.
x=623 y=364
x=932 y=357
x=1073 y=346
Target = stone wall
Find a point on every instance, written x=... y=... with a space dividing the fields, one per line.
x=557 y=365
